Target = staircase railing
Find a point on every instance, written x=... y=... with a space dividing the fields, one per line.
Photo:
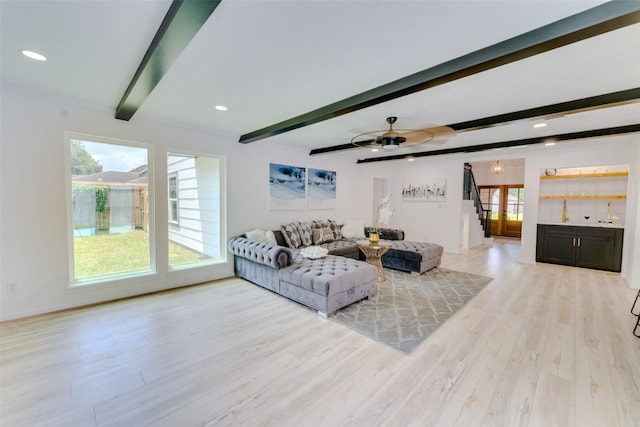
x=470 y=192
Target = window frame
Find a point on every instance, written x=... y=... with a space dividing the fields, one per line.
x=222 y=207
x=171 y=200
x=103 y=280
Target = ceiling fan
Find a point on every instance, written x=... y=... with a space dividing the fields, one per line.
x=391 y=138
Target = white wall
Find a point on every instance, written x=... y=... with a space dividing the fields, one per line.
x=423 y=221
x=34 y=237
x=513 y=174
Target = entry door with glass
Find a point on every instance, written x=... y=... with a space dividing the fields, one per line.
x=507 y=204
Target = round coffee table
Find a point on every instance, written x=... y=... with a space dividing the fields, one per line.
x=373 y=255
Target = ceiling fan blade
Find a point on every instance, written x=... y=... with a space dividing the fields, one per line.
x=365 y=142
x=427 y=134
x=413 y=138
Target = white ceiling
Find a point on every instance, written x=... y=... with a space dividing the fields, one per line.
x=269 y=61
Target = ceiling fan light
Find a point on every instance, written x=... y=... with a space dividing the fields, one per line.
x=391 y=142
x=390 y=139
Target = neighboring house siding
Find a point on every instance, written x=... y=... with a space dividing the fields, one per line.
x=198 y=221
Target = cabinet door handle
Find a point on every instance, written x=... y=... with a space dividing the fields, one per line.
x=578 y=242
x=574 y=242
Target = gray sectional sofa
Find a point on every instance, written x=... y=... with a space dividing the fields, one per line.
x=329 y=283
x=325 y=284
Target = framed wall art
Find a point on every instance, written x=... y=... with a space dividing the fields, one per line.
x=321 y=189
x=287 y=187
x=424 y=190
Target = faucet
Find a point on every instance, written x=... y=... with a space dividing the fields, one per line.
x=609 y=210
x=565 y=218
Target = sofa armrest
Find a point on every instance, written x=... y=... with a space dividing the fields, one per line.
x=388 y=233
x=264 y=253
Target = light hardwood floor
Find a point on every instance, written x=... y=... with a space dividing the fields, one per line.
x=541 y=345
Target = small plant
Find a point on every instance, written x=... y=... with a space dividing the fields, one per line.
x=102 y=197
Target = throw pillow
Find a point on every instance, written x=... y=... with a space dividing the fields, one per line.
x=357 y=226
x=314 y=252
x=304 y=230
x=291 y=236
x=348 y=232
x=271 y=238
x=257 y=234
x=317 y=224
x=322 y=235
x=335 y=229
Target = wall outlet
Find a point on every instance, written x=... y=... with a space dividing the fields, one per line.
x=12 y=288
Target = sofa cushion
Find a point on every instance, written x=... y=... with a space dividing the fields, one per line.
x=329 y=275
x=304 y=230
x=322 y=235
x=342 y=248
x=291 y=235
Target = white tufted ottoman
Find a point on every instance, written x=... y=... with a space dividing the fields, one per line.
x=328 y=283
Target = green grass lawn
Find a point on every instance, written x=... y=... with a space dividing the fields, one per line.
x=118 y=253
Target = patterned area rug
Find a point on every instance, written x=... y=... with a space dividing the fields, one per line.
x=407 y=309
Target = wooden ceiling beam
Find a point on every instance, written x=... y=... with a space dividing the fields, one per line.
x=565 y=137
x=592 y=22
x=181 y=23
x=549 y=111
x=591 y=103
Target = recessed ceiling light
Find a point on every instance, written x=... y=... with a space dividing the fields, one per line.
x=410 y=159
x=539 y=125
x=34 y=55
x=374 y=150
x=221 y=108
x=549 y=144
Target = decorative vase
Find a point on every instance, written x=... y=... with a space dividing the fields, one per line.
x=374 y=238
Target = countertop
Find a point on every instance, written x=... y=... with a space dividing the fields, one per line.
x=585 y=224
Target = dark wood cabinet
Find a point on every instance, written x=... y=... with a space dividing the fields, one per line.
x=599 y=248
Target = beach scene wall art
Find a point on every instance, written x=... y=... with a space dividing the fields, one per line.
x=287 y=187
x=321 y=189
x=420 y=190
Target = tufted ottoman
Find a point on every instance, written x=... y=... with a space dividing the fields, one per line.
x=328 y=283
x=415 y=257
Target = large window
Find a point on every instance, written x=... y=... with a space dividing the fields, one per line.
x=110 y=209
x=194 y=209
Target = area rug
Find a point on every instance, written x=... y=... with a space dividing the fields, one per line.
x=408 y=308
